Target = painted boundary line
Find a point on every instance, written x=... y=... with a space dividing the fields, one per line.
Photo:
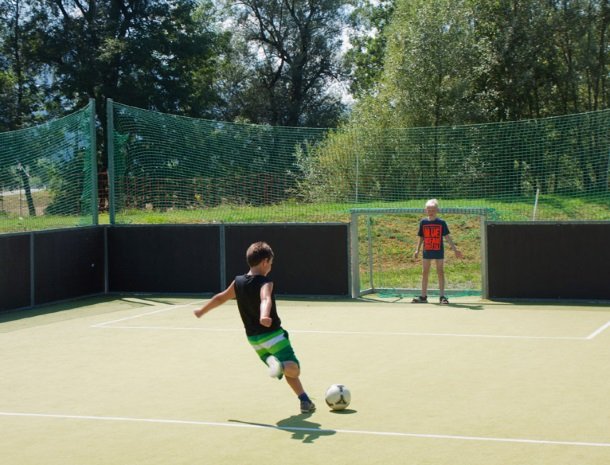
x=598 y=331
x=113 y=325
x=590 y=337
x=321 y=431
x=167 y=308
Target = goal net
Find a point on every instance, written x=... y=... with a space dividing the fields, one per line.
x=383 y=240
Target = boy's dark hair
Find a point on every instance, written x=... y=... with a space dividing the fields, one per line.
x=258 y=252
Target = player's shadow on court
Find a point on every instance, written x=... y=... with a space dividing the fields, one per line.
x=467 y=306
x=298 y=425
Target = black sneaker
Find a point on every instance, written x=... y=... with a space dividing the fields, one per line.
x=307 y=406
x=422 y=299
x=443 y=300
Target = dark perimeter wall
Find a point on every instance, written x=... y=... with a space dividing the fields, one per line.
x=48 y=266
x=163 y=258
x=68 y=264
x=15 y=268
x=548 y=260
x=524 y=260
x=310 y=259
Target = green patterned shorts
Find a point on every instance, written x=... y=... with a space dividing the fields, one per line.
x=276 y=343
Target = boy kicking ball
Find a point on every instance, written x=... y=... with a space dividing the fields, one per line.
x=432 y=231
x=256 y=304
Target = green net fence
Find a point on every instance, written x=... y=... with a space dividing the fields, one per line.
x=169 y=168
x=176 y=169
x=48 y=174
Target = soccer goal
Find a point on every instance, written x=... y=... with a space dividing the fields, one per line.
x=382 y=242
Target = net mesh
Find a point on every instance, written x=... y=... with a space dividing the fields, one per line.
x=47 y=177
x=177 y=169
x=185 y=169
x=387 y=238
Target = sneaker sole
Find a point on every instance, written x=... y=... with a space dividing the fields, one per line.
x=310 y=410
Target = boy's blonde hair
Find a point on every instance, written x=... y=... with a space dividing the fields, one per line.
x=432 y=203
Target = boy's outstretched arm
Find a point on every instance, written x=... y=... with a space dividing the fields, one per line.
x=266 y=303
x=217 y=300
x=458 y=254
x=420 y=241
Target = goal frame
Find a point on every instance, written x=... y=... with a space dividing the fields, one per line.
x=355 y=213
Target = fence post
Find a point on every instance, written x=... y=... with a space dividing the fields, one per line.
x=354 y=257
x=93 y=161
x=536 y=205
x=484 y=275
x=110 y=148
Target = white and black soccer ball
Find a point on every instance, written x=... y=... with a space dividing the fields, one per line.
x=338 y=397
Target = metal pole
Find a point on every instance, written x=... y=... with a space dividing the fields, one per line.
x=32 y=271
x=106 y=262
x=484 y=277
x=370 y=250
x=354 y=257
x=223 y=257
x=93 y=161
x=357 y=175
x=536 y=204
x=110 y=148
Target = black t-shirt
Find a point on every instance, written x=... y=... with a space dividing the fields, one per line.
x=248 y=293
x=433 y=233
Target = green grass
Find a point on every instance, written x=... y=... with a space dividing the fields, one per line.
x=12 y=224
x=393 y=241
x=553 y=208
x=14 y=215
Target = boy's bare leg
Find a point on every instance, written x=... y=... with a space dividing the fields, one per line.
x=440 y=270
x=426 y=263
x=292 y=371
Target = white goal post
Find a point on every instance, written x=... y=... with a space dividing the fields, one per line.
x=356 y=213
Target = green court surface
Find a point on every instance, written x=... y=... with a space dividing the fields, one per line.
x=140 y=380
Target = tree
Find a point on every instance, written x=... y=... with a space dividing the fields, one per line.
x=365 y=57
x=581 y=40
x=143 y=53
x=431 y=66
x=449 y=63
x=293 y=57
x=157 y=54
x=21 y=86
x=523 y=58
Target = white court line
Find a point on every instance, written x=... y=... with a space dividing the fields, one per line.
x=107 y=325
x=140 y=315
x=351 y=333
x=308 y=430
x=598 y=331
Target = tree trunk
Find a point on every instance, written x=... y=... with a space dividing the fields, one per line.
x=25 y=179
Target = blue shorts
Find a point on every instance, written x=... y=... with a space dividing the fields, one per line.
x=434 y=254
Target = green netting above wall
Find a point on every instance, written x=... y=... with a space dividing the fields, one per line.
x=165 y=164
x=48 y=174
x=176 y=169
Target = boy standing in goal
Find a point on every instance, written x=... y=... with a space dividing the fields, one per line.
x=256 y=304
x=432 y=231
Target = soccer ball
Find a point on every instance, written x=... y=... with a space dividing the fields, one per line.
x=338 y=397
